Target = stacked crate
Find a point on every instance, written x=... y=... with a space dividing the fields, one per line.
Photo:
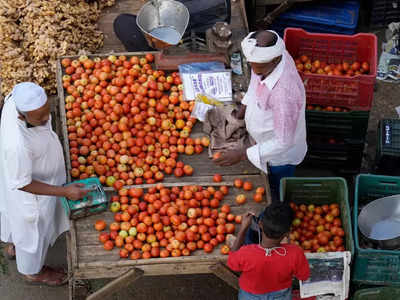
x=337 y=106
x=384 y=12
x=388 y=147
x=324 y=16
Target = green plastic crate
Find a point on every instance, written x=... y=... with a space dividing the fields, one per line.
x=374 y=266
x=342 y=125
x=319 y=191
x=381 y=293
x=388 y=147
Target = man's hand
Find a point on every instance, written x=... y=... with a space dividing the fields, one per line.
x=75 y=192
x=231 y=157
x=239 y=112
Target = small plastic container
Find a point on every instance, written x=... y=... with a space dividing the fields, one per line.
x=95 y=201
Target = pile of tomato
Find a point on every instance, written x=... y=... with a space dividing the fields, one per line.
x=163 y=222
x=307 y=66
x=126 y=122
x=326 y=108
x=317 y=228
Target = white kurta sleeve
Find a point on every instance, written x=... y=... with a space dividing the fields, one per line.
x=285 y=115
x=18 y=167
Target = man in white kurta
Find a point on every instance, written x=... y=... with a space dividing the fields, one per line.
x=32 y=173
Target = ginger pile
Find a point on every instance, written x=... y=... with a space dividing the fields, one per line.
x=34 y=33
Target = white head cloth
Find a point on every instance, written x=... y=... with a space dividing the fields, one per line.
x=261 y=54
x=28 y=96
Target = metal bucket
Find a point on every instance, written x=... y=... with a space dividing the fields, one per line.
x=163 y=22
x=379 y=221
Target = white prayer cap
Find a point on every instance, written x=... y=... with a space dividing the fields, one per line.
x=261 y=54
x=28 y=96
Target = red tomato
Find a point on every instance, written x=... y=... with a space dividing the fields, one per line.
x=217 y=178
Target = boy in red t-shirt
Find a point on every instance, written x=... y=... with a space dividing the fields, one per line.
x=269 y=266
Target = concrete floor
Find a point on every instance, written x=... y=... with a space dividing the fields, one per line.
x=12 y=287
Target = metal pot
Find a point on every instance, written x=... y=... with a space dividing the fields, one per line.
x=379 y=221
x=168 y=15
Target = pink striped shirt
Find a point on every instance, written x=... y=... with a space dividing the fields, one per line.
x=275 y=116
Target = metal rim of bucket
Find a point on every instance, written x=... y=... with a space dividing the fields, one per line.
x=149 y=3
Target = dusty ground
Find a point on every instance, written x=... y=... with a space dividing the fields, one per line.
x=12 y=287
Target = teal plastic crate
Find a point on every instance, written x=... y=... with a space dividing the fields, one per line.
x=94 y=202
x=320 y=191
x=381 y=293
x=374 y=266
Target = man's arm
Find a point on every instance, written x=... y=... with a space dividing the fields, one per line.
x=72 y=192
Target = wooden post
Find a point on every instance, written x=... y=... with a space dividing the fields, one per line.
x=244 y=14
x=268 y=195
x=116 y=284
x=221 y=271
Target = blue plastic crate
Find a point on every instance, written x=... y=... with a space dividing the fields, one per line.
x=332 y=17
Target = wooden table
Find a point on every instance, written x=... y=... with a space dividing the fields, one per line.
x=88 y=260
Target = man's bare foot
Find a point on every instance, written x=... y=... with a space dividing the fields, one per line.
x=230 y=240
x=9 y=251
x=47 y=276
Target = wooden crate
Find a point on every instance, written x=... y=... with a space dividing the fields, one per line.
x=88 y=260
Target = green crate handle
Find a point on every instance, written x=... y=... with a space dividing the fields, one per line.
x=312 y=184
x=388 y=183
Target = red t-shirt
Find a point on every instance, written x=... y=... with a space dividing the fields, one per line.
x=264 y=274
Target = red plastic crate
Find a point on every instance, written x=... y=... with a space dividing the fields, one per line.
x=355 y=92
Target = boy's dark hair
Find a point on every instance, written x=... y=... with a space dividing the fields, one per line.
x=277 y=219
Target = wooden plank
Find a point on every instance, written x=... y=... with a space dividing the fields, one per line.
x=203 y=180
x=243 y=14
x=117 y=284
x=267 y=188
x=275 y=2
x=73 y=246
x=149 y=270
x=106 y=21
x=226 y=275
x=209 y=258
x=63 y=118
x=69 y=263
